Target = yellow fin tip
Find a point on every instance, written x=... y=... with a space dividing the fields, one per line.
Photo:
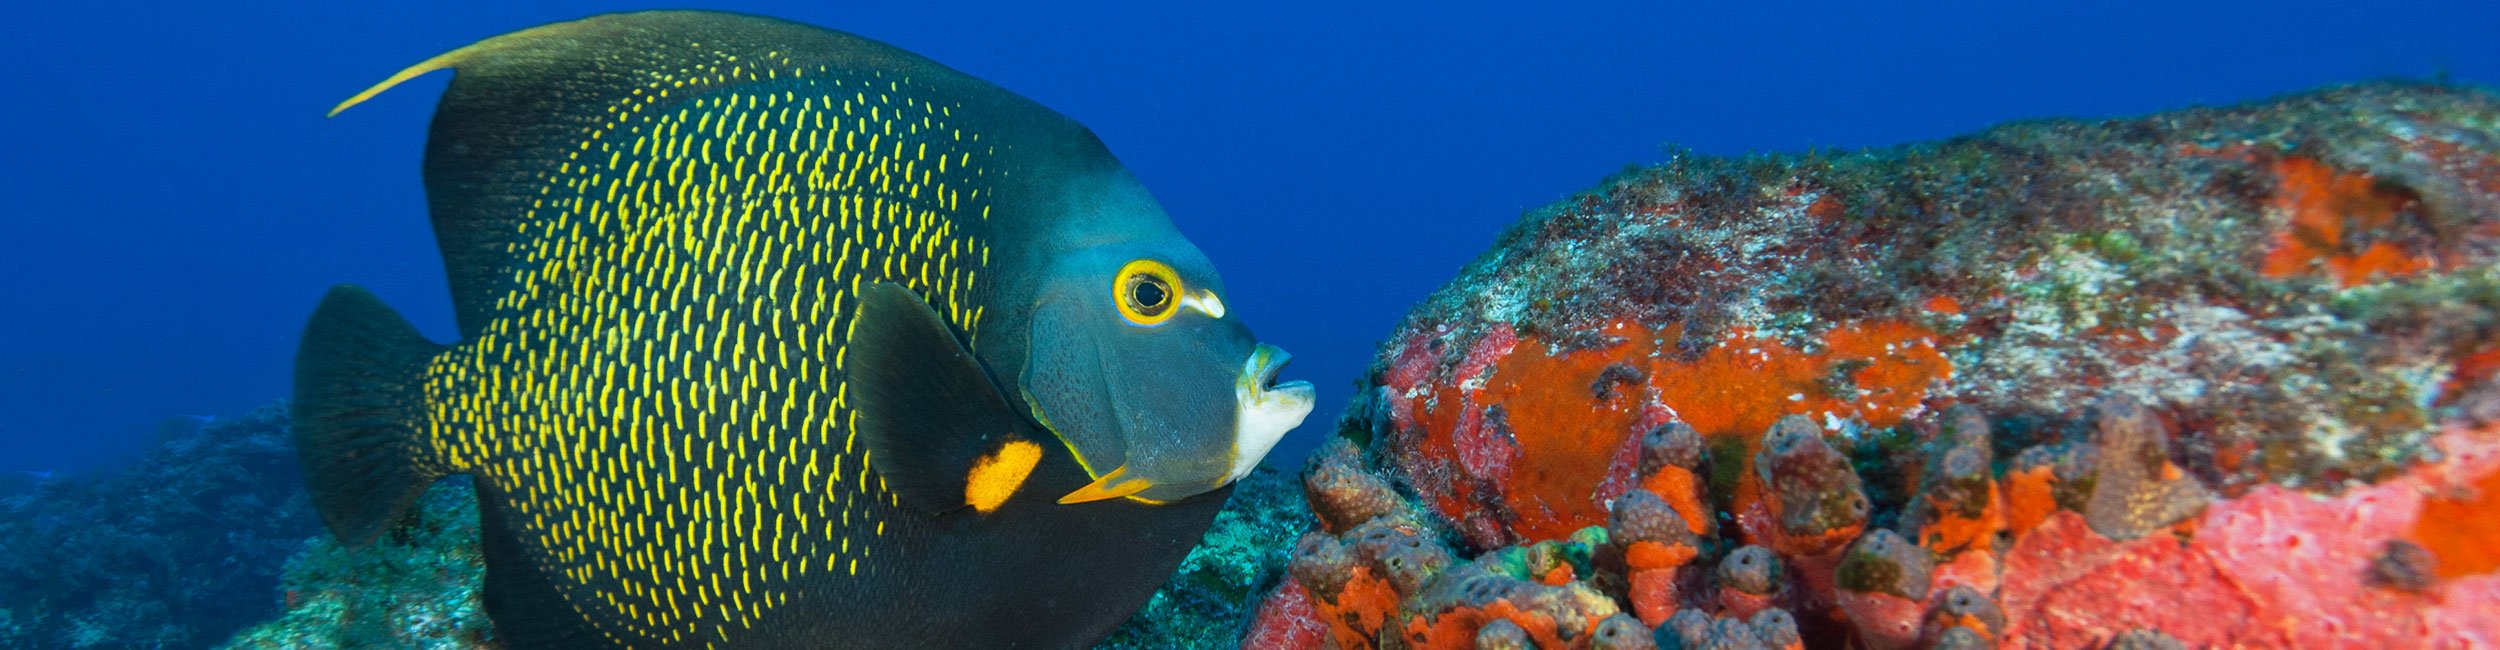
x=445 y=60
x=1111 y=486
x=454 y=58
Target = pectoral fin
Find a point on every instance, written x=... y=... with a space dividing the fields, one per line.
x=937 y=429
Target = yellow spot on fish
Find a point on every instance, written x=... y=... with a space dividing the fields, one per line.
x=997 y=476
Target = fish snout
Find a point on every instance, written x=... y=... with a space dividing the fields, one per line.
x=1264 y=410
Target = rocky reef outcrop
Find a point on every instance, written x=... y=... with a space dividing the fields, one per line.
x=2220 y=376
x=416 y=588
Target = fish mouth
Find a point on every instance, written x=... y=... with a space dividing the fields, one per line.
x=1264 y=409
x=1265 y=363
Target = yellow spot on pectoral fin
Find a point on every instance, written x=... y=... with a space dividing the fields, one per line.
x=997 y=476
x=1111 y=486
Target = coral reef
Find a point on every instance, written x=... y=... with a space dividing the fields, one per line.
x=178 y=550
x=1210 y=598
x=416 y=588
x=2220 y=376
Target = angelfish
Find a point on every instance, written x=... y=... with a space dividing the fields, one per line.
x=773 y=336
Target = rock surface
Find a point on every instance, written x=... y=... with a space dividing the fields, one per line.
x=2214 y=375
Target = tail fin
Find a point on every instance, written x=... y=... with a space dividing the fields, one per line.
x=358 y=410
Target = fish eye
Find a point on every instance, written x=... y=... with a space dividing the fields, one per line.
x=1147 y=292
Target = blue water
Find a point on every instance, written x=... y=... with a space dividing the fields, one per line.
x=175 y=202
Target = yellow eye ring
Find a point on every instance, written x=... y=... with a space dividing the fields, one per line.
x=1148 y=292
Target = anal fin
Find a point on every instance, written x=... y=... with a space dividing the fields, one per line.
x=527 y=611
x=928 y=410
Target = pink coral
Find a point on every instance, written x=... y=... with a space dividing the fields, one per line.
x=2274 y=568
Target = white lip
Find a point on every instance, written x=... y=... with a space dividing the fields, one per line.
x=1263 y=413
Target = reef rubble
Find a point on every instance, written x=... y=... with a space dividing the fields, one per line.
x=2217 y=376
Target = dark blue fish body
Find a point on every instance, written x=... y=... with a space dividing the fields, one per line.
x=778 y=337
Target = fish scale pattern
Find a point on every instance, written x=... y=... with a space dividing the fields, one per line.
x=659 y=393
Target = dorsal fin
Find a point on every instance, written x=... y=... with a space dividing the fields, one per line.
x=445 y=61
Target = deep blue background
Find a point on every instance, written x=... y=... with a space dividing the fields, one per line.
x=175 y=202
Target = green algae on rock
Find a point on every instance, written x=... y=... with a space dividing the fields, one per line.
x=2058 y=262
x=2184 y=336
